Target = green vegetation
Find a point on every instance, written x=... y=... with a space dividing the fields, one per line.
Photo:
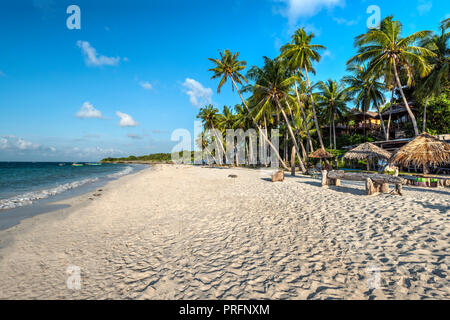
x=157 y=157
x=279 y=94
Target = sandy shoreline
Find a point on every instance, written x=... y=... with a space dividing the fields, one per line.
x=174 y=232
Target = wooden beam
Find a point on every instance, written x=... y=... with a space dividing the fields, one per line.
x=378 y=178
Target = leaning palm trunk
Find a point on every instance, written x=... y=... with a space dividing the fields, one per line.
x=305 y=154
x=294 y=140
x=411 y=115
x=305 y=122
x=314 y=111
x=382 y=123
x=283 y=164
x=388 y=131
x=300 y=142
x=220 y=144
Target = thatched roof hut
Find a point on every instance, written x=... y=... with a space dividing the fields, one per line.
x=424 y=150
x=367 y=151
x=321 y=154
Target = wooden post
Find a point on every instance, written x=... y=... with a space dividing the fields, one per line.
x=384 y=188
x=398 y=189
x=370 y=188
x=324 y=178
x=338 y=182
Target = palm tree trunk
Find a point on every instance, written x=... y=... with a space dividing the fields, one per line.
x=330 y=129
x=334 y=132
x=425 y=116
x=314 y=110
x=264 y=136
x=220 y=144
x=411 y=115
x=388 y=131
x=382 y=123
x=305 y=154
x=305 y=122
x=293 y=152
x=300 y=142
x=302 y=166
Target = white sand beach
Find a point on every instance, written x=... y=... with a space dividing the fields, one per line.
x=173 y=232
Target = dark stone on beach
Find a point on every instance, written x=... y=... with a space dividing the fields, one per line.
x=233 y=176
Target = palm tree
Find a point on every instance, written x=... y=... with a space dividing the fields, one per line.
x=244 y=120
x=210 y=119
x=386 y=51
x=366 y=91
x=272 y=85
x=299 y=56
x=438 y=79
x=332 y=98
x=229 y=67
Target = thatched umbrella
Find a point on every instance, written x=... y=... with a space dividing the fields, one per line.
x=321 y=154
x=367 y=151
x=425 y=150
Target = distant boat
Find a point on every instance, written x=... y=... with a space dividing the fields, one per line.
x=77 y=164
x=61 y=164
x=94 y=164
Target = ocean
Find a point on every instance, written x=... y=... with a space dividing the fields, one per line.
x=24 y=183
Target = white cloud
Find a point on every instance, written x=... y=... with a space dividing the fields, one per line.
x=126 y=120
x=345 y=21
x=92 y=58
x=198 y=94
x=306 y=8
x=88 y=111
x=424 y=6
x=13 y=143
x=146 y=85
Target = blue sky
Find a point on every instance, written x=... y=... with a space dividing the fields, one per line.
x=137 y=70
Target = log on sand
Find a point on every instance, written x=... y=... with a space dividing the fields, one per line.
x=356 y=176
x=375 y=183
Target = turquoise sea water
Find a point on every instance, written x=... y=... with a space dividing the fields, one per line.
x=23 y=183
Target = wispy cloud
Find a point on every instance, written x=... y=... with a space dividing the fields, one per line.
x=294 y=9
x=134 y=136
x=146 y=85
x=88 y=111
x=13 y=143
x=345 y=21
x=126 y=120
x=92 y=58
x=198 y=94
x=424 y=6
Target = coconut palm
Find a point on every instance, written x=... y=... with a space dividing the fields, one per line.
x=299 y=55
x=438 y=79
x=272 y=85
x=332 y=98
x=367 y=91
x=230 y=67
x=210 y=119
x=386 y=51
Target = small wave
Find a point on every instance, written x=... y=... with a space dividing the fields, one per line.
x=125 y=171
x=29 y=197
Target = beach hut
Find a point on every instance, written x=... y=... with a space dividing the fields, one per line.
x=425 y=150
x=321 y=154
x=367 y=151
